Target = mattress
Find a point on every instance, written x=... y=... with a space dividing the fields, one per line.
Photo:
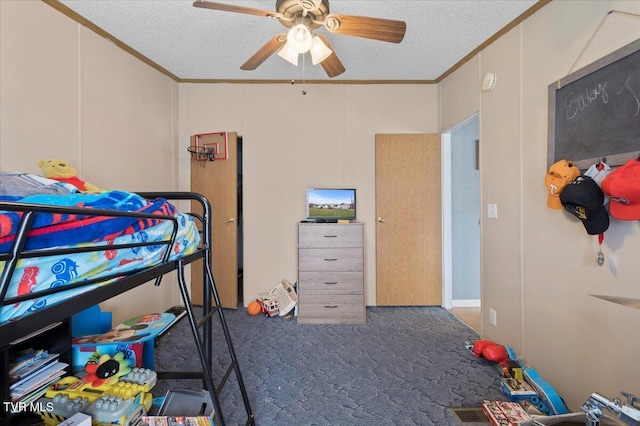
x=105 y=246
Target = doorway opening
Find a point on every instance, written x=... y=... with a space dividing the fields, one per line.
x=462 y=222
x=240 y=228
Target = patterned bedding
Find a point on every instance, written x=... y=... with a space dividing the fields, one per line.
x=69 y=228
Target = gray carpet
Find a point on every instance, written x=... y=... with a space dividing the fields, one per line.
x=405 y=366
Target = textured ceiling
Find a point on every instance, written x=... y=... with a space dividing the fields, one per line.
x=204 y=44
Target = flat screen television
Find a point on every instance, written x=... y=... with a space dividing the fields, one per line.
x=331 y=204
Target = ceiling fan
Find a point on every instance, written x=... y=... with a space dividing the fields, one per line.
x=303 y=17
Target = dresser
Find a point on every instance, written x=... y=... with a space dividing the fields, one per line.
x=331 y=273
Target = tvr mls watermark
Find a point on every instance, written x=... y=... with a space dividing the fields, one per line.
x=19 y=407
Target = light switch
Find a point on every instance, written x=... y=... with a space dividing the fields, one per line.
x=492 y=211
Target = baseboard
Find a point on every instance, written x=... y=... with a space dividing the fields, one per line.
x=465 y=303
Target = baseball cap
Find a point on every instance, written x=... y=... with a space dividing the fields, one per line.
x=559 y=175
x=584 y=199
x=598 y=172
x=622 y=185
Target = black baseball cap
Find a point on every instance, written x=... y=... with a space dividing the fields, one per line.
x=584 y=199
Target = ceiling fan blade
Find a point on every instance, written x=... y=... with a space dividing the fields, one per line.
x=332 y=65
x=270 y=47
x=238 y=9
x=626 y=301
x=361 y=26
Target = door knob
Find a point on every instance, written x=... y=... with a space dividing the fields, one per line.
x=231 y=220
x=381 y=219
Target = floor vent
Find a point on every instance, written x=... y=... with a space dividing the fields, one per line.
x=470 y=415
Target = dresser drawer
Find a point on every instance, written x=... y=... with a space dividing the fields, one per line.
x=341 y=259
x=330 y=282
x=328 y=309
x=323 y=235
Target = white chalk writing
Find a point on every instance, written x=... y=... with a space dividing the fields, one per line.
x=627 y=88
x=576 y=103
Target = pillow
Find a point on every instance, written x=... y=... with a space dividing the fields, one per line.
x=22 y=185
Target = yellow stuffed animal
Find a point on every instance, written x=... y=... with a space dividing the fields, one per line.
x=61 y=170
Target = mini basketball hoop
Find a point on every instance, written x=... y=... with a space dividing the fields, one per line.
x=218 y=140
x=206 y=152
x=209 y=147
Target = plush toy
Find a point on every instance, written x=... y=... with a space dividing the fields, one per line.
x=61 y=170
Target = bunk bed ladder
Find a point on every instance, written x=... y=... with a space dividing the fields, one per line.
x=204 y=342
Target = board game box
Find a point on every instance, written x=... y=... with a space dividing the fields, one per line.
x=502 y=413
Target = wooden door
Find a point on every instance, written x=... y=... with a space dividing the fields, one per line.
x=408 y=220
x=217 y=180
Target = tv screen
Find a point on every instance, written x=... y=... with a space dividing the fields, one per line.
x=331 y=204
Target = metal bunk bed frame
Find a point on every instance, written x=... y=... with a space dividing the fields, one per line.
x=35 y=322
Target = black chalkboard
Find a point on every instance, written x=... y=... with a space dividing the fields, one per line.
x=594 y=113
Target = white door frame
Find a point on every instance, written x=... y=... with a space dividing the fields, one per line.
x=447 y=254
x=447 y=250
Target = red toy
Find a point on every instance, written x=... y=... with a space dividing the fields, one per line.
x=490 y=350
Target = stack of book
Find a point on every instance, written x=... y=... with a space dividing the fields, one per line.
x=31 y=371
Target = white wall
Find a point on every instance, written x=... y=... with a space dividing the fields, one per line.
x=538 y=264
x=292 y=142
x=67 y=93
x=460 y=94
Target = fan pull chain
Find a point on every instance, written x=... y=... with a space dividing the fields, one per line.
x=293 y=80
x=304 y=92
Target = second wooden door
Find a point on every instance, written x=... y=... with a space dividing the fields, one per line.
x=217 y=180
x=408 y=220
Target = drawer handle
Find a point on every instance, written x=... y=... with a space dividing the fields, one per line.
x=331 y=236
x=331 y=282
x=330 y=306
x=331 y=260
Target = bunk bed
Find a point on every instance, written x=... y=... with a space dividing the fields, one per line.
x=61 y=254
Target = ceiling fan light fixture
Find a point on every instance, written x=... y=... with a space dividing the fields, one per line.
x=302 y=18
x=299 y=38
x=310 y=5
x=289 y=54
x=319 y=51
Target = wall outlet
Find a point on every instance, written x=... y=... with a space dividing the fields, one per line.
x=493 y=317
x=492 y=211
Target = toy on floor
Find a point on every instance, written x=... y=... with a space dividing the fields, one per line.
x=518 y=382
x=135 y=337
x=536 y=391
x=60 y=170
x=490 y=350
x=254 y=308
x=105 y=369
x=269 y=306
x=122 y=403
x=280 y=301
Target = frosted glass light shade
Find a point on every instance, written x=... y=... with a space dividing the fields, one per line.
x=319 y=51
x=289 y=54
x=299 y=38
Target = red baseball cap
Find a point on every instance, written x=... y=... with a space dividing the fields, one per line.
x=623 y=187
